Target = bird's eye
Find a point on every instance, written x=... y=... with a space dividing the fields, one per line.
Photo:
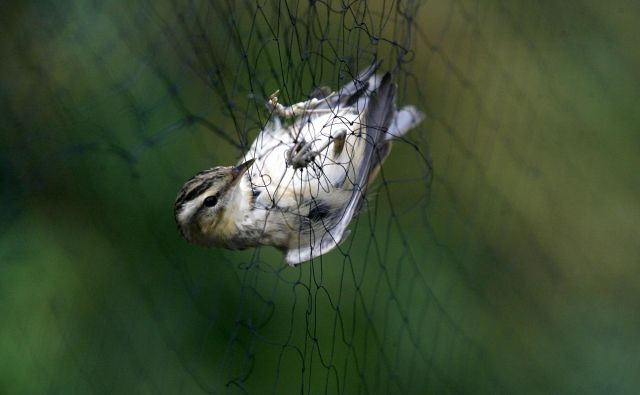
x=210 y=201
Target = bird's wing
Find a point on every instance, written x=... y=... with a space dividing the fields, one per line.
x=325 y=226
x=379 y=114
x=359 y=87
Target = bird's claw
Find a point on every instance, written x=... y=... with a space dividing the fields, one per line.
x=300 y=155
x=297 y=109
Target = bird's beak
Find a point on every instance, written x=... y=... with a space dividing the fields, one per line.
x=239 y=170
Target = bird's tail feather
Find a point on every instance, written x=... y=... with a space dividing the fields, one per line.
x=404 y=120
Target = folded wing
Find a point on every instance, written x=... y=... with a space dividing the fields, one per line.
x=374 y=97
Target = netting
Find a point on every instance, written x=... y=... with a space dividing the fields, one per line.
x=462 y=272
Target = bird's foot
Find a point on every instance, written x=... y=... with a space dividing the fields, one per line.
x=300 y=155
x=305 y=107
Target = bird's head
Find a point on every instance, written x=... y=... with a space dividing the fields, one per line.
x=205 y=206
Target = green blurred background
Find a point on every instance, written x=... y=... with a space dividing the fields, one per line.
x=497 y=253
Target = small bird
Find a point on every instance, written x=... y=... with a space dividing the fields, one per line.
x=305 y=175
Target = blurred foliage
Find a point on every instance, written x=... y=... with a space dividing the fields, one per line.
x=512 y=267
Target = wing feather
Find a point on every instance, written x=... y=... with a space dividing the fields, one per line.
x=358 y=87
x=317 y=236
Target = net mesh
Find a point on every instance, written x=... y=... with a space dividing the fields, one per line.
x=444 y=283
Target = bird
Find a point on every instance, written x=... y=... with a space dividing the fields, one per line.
x=304 y=177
